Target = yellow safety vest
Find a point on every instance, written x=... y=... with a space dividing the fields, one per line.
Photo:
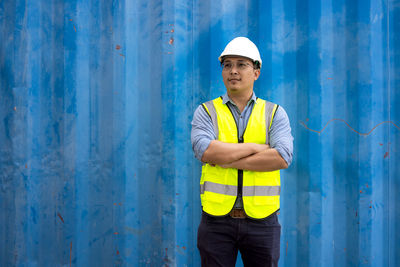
x=219 y=186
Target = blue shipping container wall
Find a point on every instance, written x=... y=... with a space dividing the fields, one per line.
x=96 y=101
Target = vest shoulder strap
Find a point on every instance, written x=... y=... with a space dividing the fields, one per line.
x=210 y=108
x=270 y=110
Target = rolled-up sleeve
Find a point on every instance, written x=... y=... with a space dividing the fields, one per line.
x=202 y=132
x=280 y=135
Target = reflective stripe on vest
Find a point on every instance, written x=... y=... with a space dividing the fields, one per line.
x=219 y=186
x=248 y=191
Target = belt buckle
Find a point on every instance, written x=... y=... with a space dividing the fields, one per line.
x=237 y=214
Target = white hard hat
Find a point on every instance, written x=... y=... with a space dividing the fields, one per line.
x=242 y=46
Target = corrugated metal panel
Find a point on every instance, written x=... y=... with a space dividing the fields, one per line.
x=95 y=110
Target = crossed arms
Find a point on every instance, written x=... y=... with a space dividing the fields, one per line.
x=244 y=156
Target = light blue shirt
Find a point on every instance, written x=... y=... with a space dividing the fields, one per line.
x=280 y=137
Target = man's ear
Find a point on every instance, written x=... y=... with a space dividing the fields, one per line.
x=257 y=73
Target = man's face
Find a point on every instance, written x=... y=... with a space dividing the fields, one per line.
x=239 y=74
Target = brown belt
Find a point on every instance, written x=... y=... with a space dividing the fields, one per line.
x=237 y=214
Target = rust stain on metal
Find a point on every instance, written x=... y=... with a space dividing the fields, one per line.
x=73 y=25
x=172 y=30
x=59 y=216
x=166 y=259
x=70 y=254
x=15 y=108
x=287 y=245
x=171 y=41
x=386 y=155
x=116 y=233
x=118 y=47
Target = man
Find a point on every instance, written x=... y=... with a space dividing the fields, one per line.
x=243 y=142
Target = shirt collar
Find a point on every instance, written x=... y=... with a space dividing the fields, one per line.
x=226 y=99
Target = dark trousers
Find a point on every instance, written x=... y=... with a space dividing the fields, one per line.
x=220 y=238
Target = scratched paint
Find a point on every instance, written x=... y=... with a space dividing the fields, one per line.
x=96 y=100
x=351 y=128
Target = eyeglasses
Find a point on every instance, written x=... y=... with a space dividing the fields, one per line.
x=239 y=65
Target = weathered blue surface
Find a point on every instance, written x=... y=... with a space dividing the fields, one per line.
x=96 y=99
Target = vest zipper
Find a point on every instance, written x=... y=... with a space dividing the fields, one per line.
x=240 y=172
x=240 y=140
x=240 y=177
